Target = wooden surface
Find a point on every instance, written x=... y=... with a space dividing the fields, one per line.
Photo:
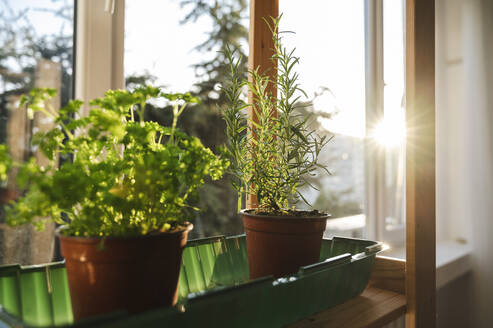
x=389 y=273
x=261 y=50
x=373 y=308
x=420 y=163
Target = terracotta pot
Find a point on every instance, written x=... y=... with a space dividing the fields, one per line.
x=280 y=245
x=6 y=195
x=130 y=274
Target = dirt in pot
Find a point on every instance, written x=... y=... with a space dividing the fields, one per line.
x=287 y=212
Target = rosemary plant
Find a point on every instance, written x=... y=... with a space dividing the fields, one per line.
x=272 y=152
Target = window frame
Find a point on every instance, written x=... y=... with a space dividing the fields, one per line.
x=375 y=155
x=99 y=48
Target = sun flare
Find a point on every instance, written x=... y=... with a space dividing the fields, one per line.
x=391 y=131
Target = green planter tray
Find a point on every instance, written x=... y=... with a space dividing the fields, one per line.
x=215 y=290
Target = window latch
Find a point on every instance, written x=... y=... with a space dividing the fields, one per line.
x=109 y=6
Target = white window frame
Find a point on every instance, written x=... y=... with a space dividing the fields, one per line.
x=99 y=47
x=375 y=156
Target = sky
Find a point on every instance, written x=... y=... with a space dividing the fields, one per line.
x=156 y=42
x=44 y=22
x=329 y=39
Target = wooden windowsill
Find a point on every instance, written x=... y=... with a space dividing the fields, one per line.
x=382 y=302
x=375 y=307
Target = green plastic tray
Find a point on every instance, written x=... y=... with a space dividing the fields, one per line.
x=214 y=289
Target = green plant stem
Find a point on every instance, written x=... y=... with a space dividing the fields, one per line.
x=173 y=125
x=54 y=115
x=176 y=114
x=142 y=112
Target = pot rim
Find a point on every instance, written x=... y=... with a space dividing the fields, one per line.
x=284 y=217
x=187 y=228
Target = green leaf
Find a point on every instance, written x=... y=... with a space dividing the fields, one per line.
x=5 y=162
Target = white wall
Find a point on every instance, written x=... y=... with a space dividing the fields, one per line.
x=478 y=78
x=465 y=148
x=450 y=114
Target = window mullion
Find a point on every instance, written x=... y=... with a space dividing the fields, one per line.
x=374 y=94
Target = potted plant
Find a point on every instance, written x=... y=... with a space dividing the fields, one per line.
x=271 y=153
x=124 y=191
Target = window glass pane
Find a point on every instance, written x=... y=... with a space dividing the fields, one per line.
x=175 y=44
x=36 y=39
x=394 y=116
x=329 y=39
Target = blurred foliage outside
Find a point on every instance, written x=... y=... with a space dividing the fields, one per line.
x=21 y=47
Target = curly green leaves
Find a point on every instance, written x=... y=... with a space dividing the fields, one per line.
x=186 y=97
x=127 y=177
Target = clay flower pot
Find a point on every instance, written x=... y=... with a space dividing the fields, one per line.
x=6 y=195
x=130 y=274
x=280 y=245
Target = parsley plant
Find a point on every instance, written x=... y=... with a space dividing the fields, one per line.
x=127 y=177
